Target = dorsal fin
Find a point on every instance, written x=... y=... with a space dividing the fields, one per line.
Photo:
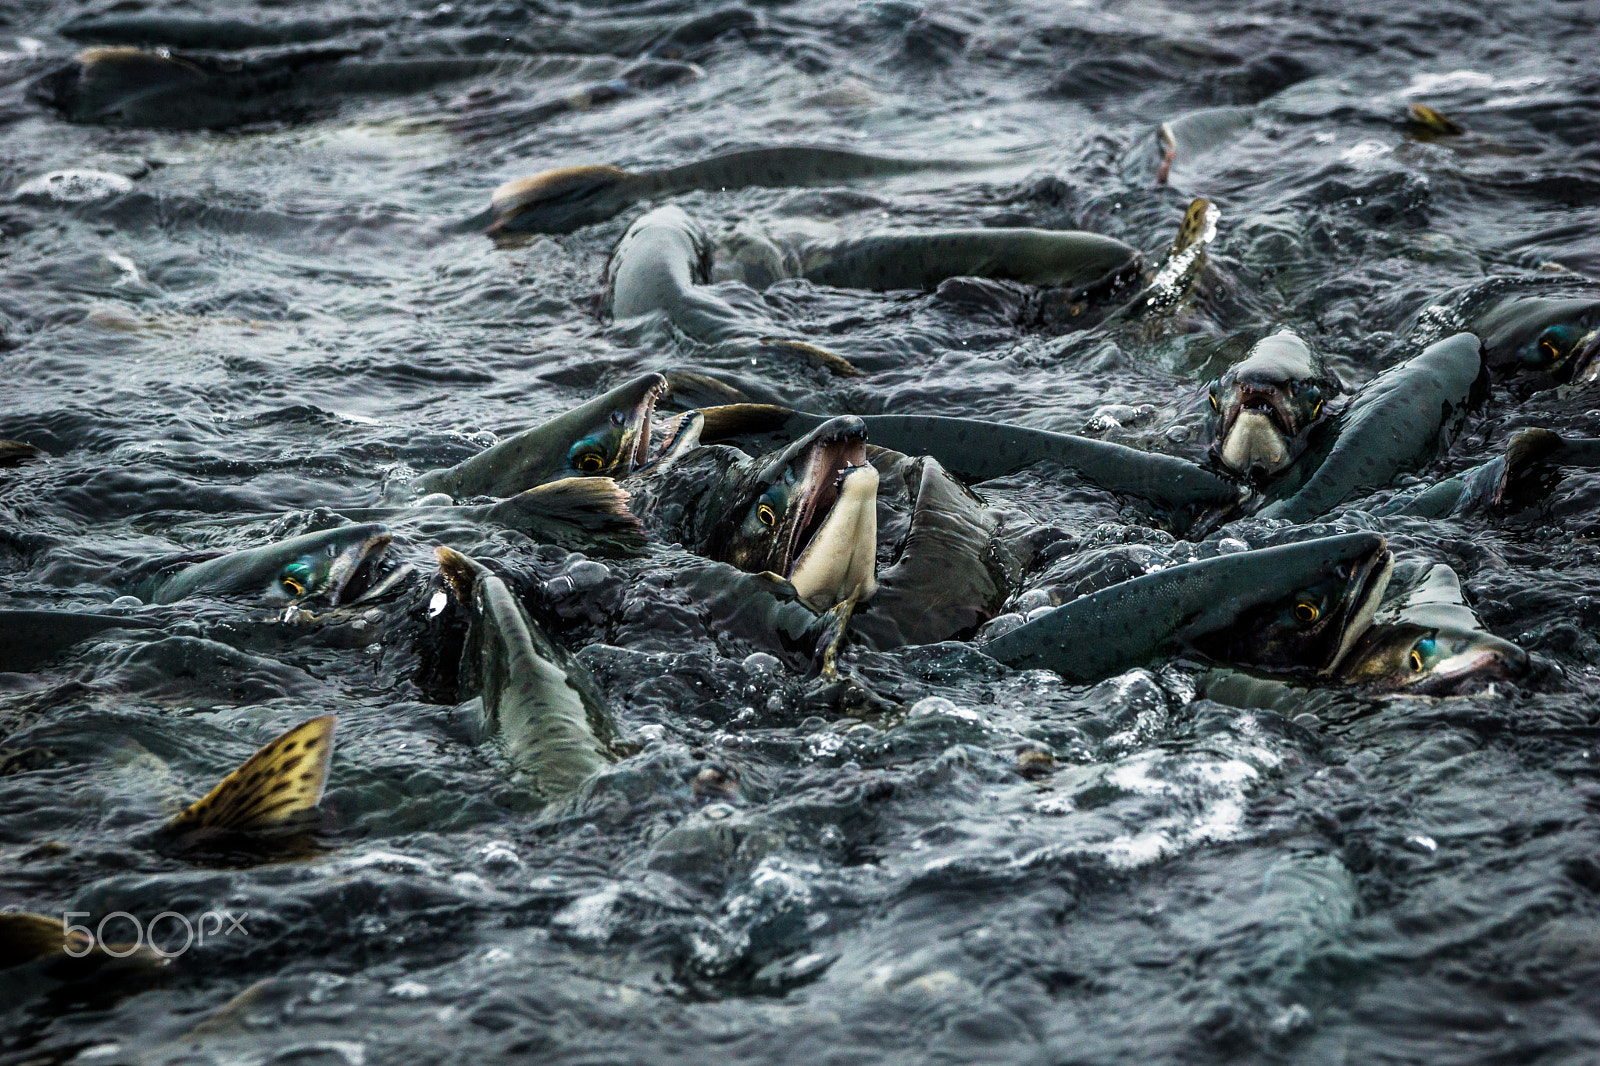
x=279 y=784
x=581 y=512
x=459 y=571
x=1425 y=119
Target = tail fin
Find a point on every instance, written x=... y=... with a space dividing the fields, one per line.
x=13 y=452
x=1196 y=221
x=277 y=786
x=26 y=938
x=575 y=512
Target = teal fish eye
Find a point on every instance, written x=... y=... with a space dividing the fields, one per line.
x=295 y=577
x=587 y=456
x=1551 y=347
x=1421 y=652
x=618 y=418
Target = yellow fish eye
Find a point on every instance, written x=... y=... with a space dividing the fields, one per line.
x=1416 y=661
x=294 y=585
x=1307 y=612
x=590 y=462
x=1212 y=396
x=1315 y=411
x=766 y=515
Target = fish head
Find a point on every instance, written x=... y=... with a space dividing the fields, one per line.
x=557 y=201
x=1312 y=629
x=807 y=512
x=613 y=431
x=343 y=565
x=1433 y=661
x=1263 y=408
x=1547 y=339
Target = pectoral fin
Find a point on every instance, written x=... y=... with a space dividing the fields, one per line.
x=280 y=784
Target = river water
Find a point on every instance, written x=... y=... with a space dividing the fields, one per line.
x=275 y=320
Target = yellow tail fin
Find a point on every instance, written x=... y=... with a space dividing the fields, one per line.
x=278 y=784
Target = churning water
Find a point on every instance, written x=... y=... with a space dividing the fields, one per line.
x=222 y=337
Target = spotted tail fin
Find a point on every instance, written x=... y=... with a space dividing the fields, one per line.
x=278 y=785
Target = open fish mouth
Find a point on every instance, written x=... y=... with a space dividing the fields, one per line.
x=363 y=571
x=839 y=560
x=635 y=449
x=832 y=554
x=1368 y=578
x=1585 y=358
x=1473 y=671
x=827 y=464
x=1256 y=431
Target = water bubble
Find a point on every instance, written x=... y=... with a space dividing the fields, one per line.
x=587 y=574
x=123 y=602
x=437 y=604
x=1231 y=545
x=760 y=664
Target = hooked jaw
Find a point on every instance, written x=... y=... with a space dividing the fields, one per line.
x=838 y=560
x=636 y=437
x=1369 y=578
x=1472 y=664
x=1585 y=358
x=357 y=572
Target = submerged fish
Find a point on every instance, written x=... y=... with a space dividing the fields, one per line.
x=166 y=89
x=275 y=791
x=343 y=565
x=806 y=513
x=1296 y=608
x=569 y=198
x=1424 y=640
x=541 y=707
x=1265 y=407
x=29 y=638
x=260 y=808
x=1406 y=657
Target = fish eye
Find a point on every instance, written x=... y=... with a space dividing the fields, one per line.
x=586 y=458
x=618 y=418
x=294 y=578
x=1551 y=347
x=1211 y=394
x=766 y=515
x=1306 y=612
x=1419 y=653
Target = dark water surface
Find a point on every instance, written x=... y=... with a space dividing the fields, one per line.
x=275 y=321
